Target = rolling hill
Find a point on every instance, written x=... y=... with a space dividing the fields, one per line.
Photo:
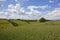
x=49 y=30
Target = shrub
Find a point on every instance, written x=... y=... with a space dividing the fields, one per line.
x=42 y=20
x=13 y=23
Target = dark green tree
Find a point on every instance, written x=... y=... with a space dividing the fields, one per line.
x=42 y=20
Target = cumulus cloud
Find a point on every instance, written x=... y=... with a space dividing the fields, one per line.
x=53 y=15
x=18 y=12
x=42 y=7
x=16 y=8
x=35 y=14
x=32 y=7
x=52 y=1
x=12 y=12
x=2 y=15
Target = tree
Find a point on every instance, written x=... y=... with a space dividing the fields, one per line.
x=42 y=20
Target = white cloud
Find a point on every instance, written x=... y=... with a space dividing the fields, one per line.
x=3 y=15
x=2 y=2
x=35 y=14
x=10 y=6
x=18 y=12
x=15 y=11
x=16 y=0
x=42 y=7
x=12 y=12
x=52 y=1
x=21 y=1
x=32 y=7
x=53 y=15
x=59 y=4
x=17 y=8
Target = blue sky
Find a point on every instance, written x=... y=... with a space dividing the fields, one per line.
x=43 y=7
x=32 y=3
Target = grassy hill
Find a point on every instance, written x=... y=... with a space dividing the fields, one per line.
x=5 y=24
x=49 y=30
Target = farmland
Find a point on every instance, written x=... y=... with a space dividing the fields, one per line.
x=49 y=30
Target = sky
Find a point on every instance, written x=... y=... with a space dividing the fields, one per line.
x=30 y=9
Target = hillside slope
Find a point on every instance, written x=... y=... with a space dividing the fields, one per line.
x=49 y=30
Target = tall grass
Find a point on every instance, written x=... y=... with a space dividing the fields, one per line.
x=34 y=31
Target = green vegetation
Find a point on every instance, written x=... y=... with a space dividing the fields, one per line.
x=13 y=23
x=49 y=30
x=42 y=19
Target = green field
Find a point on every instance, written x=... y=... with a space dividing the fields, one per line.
x=49 y=30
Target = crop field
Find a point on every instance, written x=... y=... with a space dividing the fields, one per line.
x=49 y=30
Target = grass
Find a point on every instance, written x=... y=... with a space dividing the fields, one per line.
x=49 y=30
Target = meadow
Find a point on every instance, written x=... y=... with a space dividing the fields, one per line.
x=49 y=30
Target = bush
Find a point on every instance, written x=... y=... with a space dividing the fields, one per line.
x=42 y=20
x=13 y=23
